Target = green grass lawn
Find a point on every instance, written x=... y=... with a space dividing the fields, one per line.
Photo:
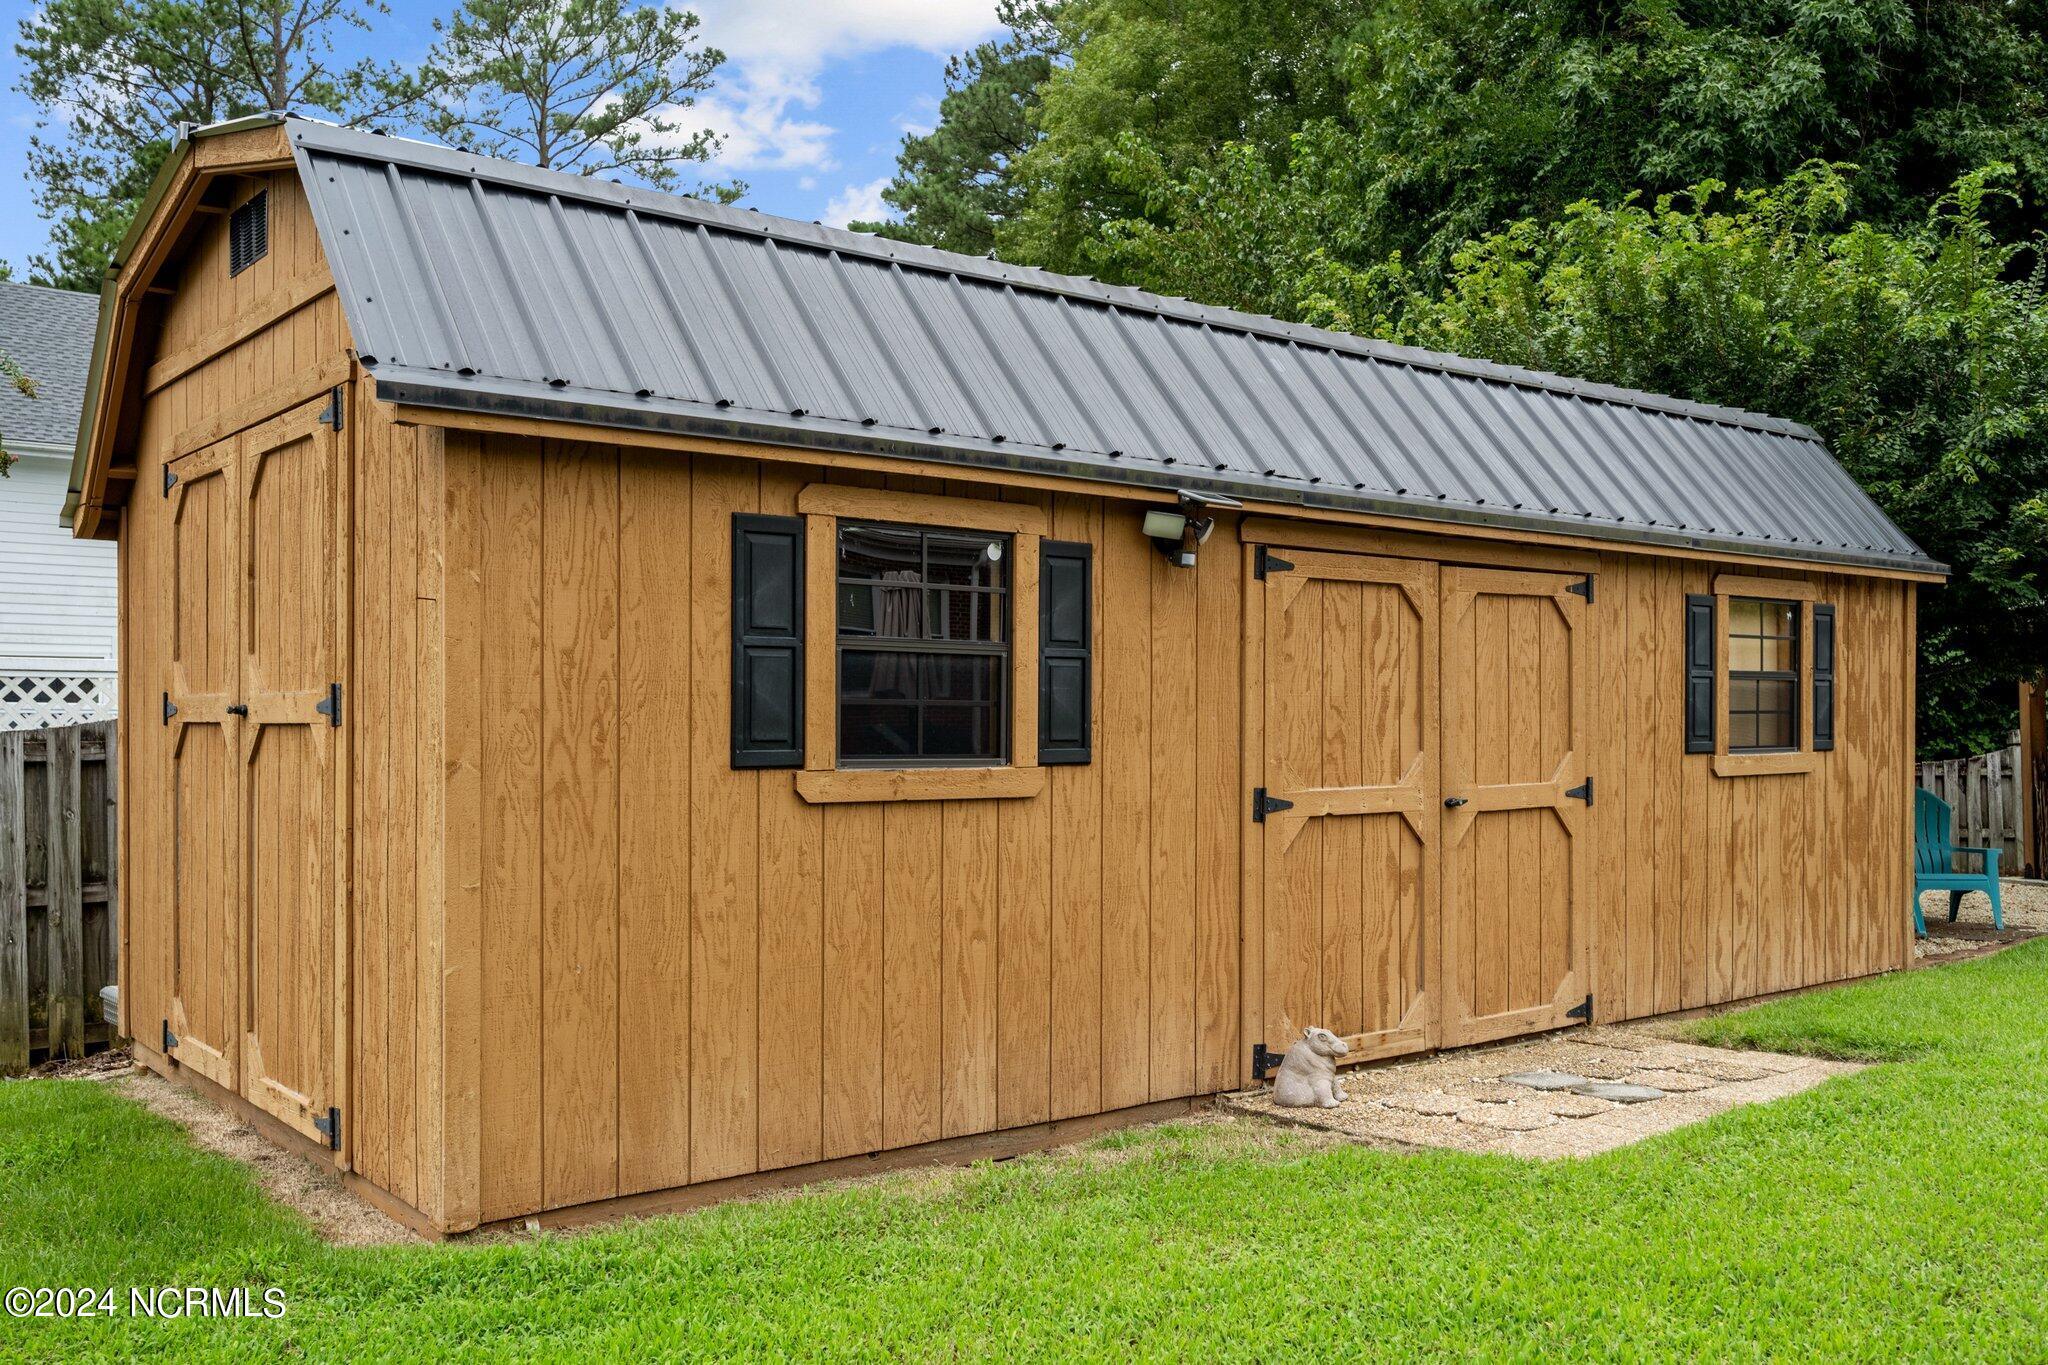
x=1900 y=1212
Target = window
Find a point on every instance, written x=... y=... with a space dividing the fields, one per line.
x=921 y=661
x=1763 y=675
x=924 y=646
x=1760 y=675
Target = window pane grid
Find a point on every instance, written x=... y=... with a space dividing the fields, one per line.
x=923 y=647
x=1763 y=675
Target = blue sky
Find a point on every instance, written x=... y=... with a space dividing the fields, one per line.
x=813 y=100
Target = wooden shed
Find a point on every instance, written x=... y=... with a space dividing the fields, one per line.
x=626 y=699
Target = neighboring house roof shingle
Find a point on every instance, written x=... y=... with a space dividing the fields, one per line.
x=49 y=333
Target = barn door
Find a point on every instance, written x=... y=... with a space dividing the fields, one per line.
x=1514 y=897
x=1349 y=807
x=291 y=560
x=205 y=603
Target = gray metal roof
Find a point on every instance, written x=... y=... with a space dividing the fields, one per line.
x=49 y=333
x=477 y=284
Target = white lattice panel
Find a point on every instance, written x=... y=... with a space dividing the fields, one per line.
x=39 y=702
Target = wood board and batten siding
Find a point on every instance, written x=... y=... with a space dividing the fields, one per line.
x=227 y=362
x=1675 y=888
x=687 y=971
x=520 y=936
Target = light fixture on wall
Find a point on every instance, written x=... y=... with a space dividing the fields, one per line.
x=1179 y=532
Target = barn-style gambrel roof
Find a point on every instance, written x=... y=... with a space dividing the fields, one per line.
x=481 y=285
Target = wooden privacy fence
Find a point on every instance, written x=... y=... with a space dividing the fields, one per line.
x=1985 y=794
x=57 y=891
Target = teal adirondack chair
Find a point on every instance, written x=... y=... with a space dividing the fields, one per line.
x=1934 y=862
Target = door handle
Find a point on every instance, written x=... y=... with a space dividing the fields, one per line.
x=238 y=709
x=1453 y=802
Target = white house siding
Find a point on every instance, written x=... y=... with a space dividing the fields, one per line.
x=57 y=623
x=57 y=594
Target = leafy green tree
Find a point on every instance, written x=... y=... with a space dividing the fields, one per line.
x=1920 y=355
x=1173 y=137
x=1471 y=112
x=953 y=185
x=1154 y=91
x=111 y=80
x=584 y=85
x=18 y=379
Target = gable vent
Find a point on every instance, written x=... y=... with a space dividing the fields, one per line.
x=249 y=233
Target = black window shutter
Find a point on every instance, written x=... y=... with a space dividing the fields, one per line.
x=767 y=641
x=1699 y=673
x=1823 y=675
x=1066 y=635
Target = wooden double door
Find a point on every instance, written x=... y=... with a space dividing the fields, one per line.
x=256 y=599
x=1424 y=795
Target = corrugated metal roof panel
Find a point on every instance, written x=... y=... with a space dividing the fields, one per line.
x=471 y=283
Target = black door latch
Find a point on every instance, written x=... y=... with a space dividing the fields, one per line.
x=1453 y=802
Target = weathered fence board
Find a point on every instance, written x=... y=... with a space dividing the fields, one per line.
x=13 y=911
x=1984 y=792
x=57 y=879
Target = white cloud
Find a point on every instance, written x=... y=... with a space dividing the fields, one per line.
x=776 y=49
x=920 y=118
x=858 y=202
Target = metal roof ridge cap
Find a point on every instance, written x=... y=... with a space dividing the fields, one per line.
x=436 y=158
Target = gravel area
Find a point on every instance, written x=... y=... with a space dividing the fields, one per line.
x=1511 y=1098
x=314 y=1191
x=2026 y=915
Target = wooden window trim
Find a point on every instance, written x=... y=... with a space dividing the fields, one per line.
x=1800 y=760
x=822 y=780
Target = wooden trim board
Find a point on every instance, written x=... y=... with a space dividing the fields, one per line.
x=1767 y=764
x=1445 y=547
x=918 y=784
x=822 y=781
x=1000 y=1145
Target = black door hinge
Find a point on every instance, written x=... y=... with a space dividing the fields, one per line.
x=331 y=707
x=1264 y=805
x=1264 y=1063
x=1266 y=562
x=170 y=708
x=330 y=1128
x=1584 y=791
x=170 y=1038
x=169 y=479
x=1583 y=1010
x=331 y=415
x=1583 y=588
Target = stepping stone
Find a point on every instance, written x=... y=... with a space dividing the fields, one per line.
x=1609 y=1068
x=1675 y=1082
x=1434 y=1106
x=1569 y=1106
x=1619 y=1091
x=1545 y=1080
x=1488 y=1092
x=1622 y=1040
x=1509 y=1118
